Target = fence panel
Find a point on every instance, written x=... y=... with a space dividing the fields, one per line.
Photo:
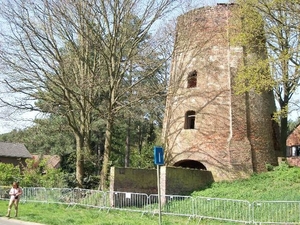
x=276 y=212
x=223 y=209
x=91 y=198
x=4 y=193
x=34 y=194
x=172 y=204
x=60 y=195
x=259 y=212
x=137 y=202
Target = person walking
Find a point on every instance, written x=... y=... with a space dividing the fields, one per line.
x=15 y=194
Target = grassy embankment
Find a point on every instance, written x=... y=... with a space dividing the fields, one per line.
x=281 y=184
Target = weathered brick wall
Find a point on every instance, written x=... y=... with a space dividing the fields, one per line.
x=293 y=161
x=173 y=180
x=182 y=181
x=212 y=58
x=133 y=180
x=294 y=137
x=260 y=134
x=233 y=134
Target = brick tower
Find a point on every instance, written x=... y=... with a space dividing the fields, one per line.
x=207 y=126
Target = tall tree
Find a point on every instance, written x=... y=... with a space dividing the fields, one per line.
x=130 y=62
x=75 y=57
x=50 y=61
x=278 y=23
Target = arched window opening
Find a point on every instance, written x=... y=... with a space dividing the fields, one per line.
x=192 y=79
x=190 y=164
x=189 y=120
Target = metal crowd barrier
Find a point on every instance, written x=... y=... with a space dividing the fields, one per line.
x=137 y=202
x=68 y=196
x=173 y=205
x=34 y=194
x=239 y=211
x=91 y=198
x=223 y=209
x=4 y=192
x=276 y=212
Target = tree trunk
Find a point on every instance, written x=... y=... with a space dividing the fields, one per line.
x=79 y=160
x=127 y=153
x=283 y=135
x=107 y=149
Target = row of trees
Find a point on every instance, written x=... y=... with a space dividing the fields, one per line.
x=97 y=68
x=52 y=136
x=89 y=61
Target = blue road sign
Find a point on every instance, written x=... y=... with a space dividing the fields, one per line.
x=158 y=155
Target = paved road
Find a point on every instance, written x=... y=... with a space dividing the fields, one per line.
x=10 y=221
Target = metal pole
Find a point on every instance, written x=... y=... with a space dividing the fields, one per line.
x=159 y=195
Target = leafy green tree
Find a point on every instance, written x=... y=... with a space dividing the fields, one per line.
x=49 y=136
x=36 y=174
x=9 y=173
x=54 y=178
x=58 y=80
x=87 y=61
x=274 y=26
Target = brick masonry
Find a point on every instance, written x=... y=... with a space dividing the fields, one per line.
x=173 y=181
x=233 y=135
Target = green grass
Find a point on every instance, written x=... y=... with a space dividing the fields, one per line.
x=282 y=184
x=53 y=214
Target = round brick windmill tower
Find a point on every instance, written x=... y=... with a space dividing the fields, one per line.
x=206 y=125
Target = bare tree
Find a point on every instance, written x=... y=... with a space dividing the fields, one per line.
x=48 y=60
x=73 y=58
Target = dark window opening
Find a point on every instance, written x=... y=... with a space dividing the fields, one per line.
x=293 y=151
x=190 y=120
x=192 y=79
x=190 y=164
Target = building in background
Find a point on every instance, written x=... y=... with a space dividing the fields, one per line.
x=14 y=153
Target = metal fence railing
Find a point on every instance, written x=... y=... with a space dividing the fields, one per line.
x=240 y=211
x=223 y=209
x=35 y=194
x=90 y=198
x=172 y=205
x=137 y=202
x=276 y=212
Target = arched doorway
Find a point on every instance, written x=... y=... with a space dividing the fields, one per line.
x=190 y=164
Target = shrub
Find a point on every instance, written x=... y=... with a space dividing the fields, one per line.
x=9 y=173
x=37 y=175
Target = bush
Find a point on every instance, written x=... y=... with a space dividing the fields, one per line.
x=9 y=173
x=37 y=175
x=269 y=167
x=53 y=178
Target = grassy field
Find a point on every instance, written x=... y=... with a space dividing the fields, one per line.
x=281 y=184
x=52 y=214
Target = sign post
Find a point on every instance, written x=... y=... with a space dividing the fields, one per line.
x=158 y=161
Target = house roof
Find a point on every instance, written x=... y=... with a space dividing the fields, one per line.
x=16 y=150
x=294 y=137
x=52 y=161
